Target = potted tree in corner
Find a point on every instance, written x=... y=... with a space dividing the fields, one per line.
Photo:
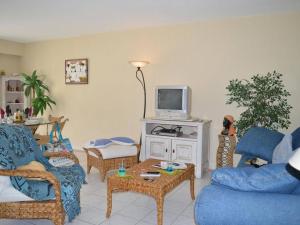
x=264 y=101
x=38 y=93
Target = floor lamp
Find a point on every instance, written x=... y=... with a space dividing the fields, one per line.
x=139 y=65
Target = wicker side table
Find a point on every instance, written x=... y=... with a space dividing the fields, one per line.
x=104 y=165
x=225 y=151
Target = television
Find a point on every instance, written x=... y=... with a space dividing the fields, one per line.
x=172 y=102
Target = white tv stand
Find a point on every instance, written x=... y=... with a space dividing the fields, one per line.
x=191 y=147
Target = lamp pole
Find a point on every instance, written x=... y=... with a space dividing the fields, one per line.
x=142 y=82
x=139 y=65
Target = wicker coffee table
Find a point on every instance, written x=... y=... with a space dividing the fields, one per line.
x=156 y=189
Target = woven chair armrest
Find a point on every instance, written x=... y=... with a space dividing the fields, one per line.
x=36 y=174
x=94 y=150
x=68 y=155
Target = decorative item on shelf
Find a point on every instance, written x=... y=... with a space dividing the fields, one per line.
x=2 y=113
x=26 y=112
x=18 y=118
x=2 y=73
x=17 y=101
x=264 y=100
x=8 y=88
x=76 y=71
x=18 y=88
x=37 y=90
x=8 y=111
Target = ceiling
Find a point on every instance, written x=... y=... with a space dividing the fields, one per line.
x=37 y=20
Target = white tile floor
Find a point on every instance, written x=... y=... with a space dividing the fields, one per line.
x=128 y=208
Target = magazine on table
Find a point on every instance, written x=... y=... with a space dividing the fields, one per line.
x=175 y=166
x=61 y=161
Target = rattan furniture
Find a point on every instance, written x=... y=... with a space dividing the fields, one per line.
x=156 y=189
x=50 y=209
x=104 y=165
x=226 y=151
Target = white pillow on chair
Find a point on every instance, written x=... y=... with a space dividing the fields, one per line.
x=4 y=181
x=8 y=193
x=122 y=140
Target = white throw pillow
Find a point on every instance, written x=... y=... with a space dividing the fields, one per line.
x=284 y=150
x=99 y=143
x=122 y=140
x=4 y=181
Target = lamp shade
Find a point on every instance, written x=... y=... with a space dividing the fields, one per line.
x=295 y=160
x=139 y=64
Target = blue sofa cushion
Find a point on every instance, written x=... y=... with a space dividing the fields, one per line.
x=217 y=205
x=284 y=150
x=297 y=190
x=260 y=142
x=296 y=138
x=272 y=178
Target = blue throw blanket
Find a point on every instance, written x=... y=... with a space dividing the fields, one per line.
x=18 y=147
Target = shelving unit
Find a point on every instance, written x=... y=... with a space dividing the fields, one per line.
x=12 y=93
x=192 y=146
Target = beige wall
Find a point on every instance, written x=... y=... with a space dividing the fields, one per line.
x=10 y=63
x=204 y=55
x=11 y=48
x=10 y=56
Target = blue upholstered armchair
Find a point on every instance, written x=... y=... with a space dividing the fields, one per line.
x=48 y=193
x=252 y=196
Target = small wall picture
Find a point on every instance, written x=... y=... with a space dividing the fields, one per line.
x=76 y=71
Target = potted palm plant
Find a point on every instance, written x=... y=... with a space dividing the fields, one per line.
x=38 y=93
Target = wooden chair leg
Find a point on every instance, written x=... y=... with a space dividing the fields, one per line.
x=88 y=169
x=59 y=220
x=103 y=174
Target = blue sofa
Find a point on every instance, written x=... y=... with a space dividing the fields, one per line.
x=237 y=196
x=218 y=205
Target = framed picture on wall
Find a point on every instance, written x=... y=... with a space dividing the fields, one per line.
x=76 y=71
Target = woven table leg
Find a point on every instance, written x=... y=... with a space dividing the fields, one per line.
x=109 y=199
x=160 y=206
x=192 y=186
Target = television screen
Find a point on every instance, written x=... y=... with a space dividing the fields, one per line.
x=170 y=99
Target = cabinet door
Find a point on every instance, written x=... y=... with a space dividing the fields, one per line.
x=184 y=151
x=158 y=148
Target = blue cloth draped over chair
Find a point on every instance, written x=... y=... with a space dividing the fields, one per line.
x=17 y=148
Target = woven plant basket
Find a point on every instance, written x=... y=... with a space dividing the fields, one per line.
x=225 y=151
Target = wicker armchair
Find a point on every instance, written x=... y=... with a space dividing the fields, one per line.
x=104 y=165
x=50 y=209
